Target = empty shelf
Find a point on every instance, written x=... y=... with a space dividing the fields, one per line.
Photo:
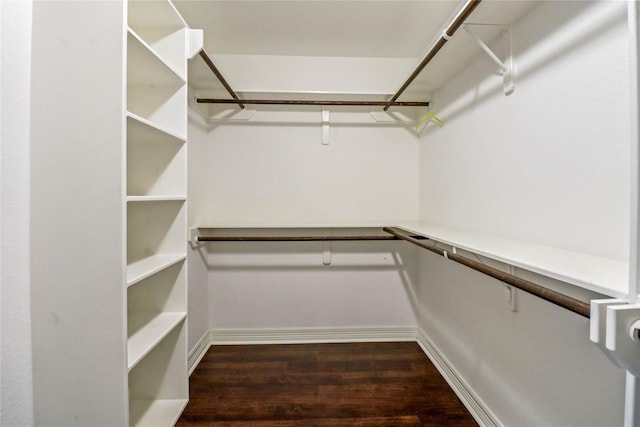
x=139 y=270
x=156 y=198
x=141 y=342
x=599 y=274
x=153 y=413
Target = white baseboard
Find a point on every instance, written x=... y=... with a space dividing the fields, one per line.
x=312 y=335
x=198 y=351
x=296 y=336
x=480 y=412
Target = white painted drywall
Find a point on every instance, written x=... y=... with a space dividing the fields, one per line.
x=197 y=289
x=286 y=286
x=274 y=169
x=16 y=393
x=534 y=367
x=548 y=164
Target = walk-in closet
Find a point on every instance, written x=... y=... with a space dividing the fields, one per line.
x=188 y=184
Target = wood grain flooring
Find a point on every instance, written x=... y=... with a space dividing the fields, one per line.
x=355 y=384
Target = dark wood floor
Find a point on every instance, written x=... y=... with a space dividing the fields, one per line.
x=361 y=384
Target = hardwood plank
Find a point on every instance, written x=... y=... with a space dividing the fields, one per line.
x=356 y=384
x=404 y=421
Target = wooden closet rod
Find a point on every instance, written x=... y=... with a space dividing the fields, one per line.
x=309 y=102
x=292 y=238
x=457 y=22
x=216 y=72
x=557 y=298
x=446 y=35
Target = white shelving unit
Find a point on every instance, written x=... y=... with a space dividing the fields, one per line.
x=110 y=211
x=156 y=183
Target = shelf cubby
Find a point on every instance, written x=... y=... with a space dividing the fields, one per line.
x=160 y=106
x=156 y=169
x=154 y=228
x=155 y=305
x=158 y=386
x=154 y=91
x=145 y=66
x=158 y=13
x=167 y=43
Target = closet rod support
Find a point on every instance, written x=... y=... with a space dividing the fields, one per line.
x=311 y=102
x=557 y=298
x=486 y=49
x=506 y=69
x=457 y=22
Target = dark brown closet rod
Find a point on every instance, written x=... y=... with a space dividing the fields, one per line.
x=446 y=35
x=216 y=72
x=291 y=238
x=557 y=298
x=309 y=102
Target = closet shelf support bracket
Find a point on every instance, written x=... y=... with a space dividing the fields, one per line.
x=194 y=234
x=325 y=127
x=615 y=328
x=506 y=66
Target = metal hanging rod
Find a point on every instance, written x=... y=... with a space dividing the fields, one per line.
x=565 y=301
x=294 y=238
x=446 y=35
x=310 y=102
x=218 y=74
x=457 y=22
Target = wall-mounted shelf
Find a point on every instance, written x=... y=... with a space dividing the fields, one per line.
x=598 y=274
x=284 y=232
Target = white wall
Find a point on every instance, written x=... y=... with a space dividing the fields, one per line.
x=534 y=367
x=286 y=286
x=274 y=169
x=198 y=293
x=548 y=164
x=16 y=394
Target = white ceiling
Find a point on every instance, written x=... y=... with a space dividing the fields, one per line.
x=339 y=28
x=393 y=29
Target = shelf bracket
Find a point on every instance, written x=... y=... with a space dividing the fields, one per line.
x=506 y=66
x=194 y=233
x=615 y=328
x=325 y=127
